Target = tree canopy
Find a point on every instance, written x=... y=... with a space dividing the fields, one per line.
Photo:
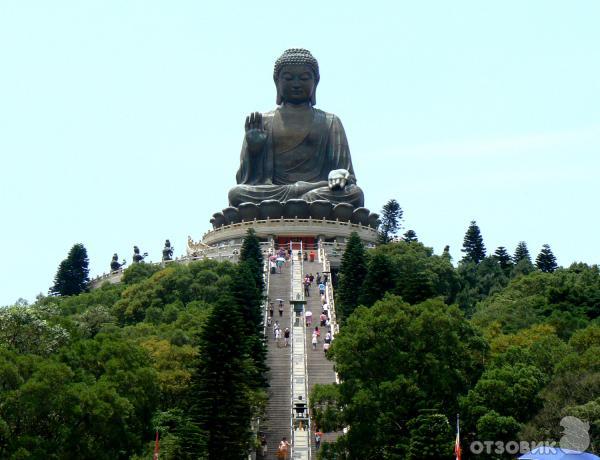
x=394 y=360
x=72 y=276
x=546 y=261
x=352 y=275
x=391 y=215
x=93 y=375
x=473 y=246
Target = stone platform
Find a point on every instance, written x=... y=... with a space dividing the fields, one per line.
x=268 y=229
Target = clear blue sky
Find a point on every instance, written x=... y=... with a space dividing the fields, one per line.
x=121 y=121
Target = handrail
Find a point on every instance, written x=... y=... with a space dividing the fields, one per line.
x=291 y=326
x=267 y=279
x=329 y=297
x=301 y=438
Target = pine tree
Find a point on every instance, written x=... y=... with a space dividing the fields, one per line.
x=352 y=275
x=379 y=279
x=521 y=253
x=522 y=261
x=391 y=215
x=503 y=258
x=410 y=236
x=430 y=437
x=220 y=405
x=72 y=276
x=250 y=252
x=247 y=299
x=545 y=260
x=446 y=253
x=473 y=246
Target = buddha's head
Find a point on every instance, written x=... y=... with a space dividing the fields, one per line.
x=296 y=77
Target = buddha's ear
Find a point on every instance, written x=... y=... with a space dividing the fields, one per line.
x=279 y=100
x=313 y=97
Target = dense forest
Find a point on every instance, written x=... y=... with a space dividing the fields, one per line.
x=510 y=344
x=95 y=375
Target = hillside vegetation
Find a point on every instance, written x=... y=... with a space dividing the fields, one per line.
x=93 y=375
x=509 y=347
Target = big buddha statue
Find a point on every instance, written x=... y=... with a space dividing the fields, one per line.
x=295 y=151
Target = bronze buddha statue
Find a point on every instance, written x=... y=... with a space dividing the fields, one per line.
x=295 y=151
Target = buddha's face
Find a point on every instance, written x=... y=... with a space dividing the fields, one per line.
x=296 y=84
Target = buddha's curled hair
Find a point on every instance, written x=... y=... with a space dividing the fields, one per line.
x=297 y=56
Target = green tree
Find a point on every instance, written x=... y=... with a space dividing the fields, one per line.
x=219 y=398
x=573 y=389
x=503 y=258
x=138 y=272
x=473 y=246
x=522 y=260
x=521 y=253
x=32 y=329
x=380 y=279
x=495 y=427
x=410 y=236
x=446 y=252
x=72 y=276
x=430 y=437
x=567 y=299
x=247 y=300
x=432 y=354
x=351 y=276
x=391 y=215
x=478 y=281
x=252 y=255
x=418 y=273
x=545 y=260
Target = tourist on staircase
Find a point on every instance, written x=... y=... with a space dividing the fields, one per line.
x=284 y=447
x=308 y=316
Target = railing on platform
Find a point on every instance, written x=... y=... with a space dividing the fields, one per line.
x=312 y=222
x=230 y=252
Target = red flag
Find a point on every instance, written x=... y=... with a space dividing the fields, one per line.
x=457 y=449
x=156 y=447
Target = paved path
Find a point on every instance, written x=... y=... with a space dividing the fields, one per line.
x=320 y=369
x=278 y=413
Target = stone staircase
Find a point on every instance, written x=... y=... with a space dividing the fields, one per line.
x=278 y=416
x=320 y=369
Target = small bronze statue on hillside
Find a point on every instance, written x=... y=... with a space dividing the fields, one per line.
x=137 y=257
x=167 y=251
x=114 y=264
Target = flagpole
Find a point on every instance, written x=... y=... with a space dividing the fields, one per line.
x=457 y=449
x=156 y=448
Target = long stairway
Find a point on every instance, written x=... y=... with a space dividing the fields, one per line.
x=320 y=369
x=278 y=419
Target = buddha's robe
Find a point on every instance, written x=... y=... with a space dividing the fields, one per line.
x=296 y=164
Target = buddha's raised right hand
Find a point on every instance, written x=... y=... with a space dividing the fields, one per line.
x=256 y=135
